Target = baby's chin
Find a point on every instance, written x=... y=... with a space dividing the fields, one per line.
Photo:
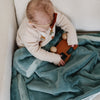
x=43 y=30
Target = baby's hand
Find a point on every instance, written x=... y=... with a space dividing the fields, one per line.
x=61 y=63
x=72 y=45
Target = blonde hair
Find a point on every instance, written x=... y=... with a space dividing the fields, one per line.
x=34 y=6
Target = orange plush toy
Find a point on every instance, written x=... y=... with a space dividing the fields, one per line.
x=63 y=49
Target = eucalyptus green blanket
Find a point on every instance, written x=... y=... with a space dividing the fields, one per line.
x=33 y=79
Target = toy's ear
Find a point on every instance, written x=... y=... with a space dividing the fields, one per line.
x=64 y=36
x=53 y=49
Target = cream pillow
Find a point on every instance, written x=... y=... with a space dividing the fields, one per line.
x=83 y=15
x=20 y=7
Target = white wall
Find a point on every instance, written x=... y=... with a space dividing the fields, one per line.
x=85 y=14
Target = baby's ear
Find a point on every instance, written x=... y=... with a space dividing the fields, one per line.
x=30 y=21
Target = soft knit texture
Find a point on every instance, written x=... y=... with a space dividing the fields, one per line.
x=29 y=37
x=77 y=79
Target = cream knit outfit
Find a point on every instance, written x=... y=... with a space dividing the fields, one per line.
x=29 y=37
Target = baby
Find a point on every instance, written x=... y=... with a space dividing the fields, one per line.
x=38 y=29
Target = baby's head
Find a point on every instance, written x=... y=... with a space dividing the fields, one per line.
x=40 y=14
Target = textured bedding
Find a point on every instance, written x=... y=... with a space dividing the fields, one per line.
x=33 y=79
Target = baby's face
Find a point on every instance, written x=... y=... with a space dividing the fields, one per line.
x=43 y=21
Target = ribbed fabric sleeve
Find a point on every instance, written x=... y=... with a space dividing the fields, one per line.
x=30 y=39
x=67 y=26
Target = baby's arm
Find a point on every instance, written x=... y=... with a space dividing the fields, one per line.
x=67 y=26
x=32 y=44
